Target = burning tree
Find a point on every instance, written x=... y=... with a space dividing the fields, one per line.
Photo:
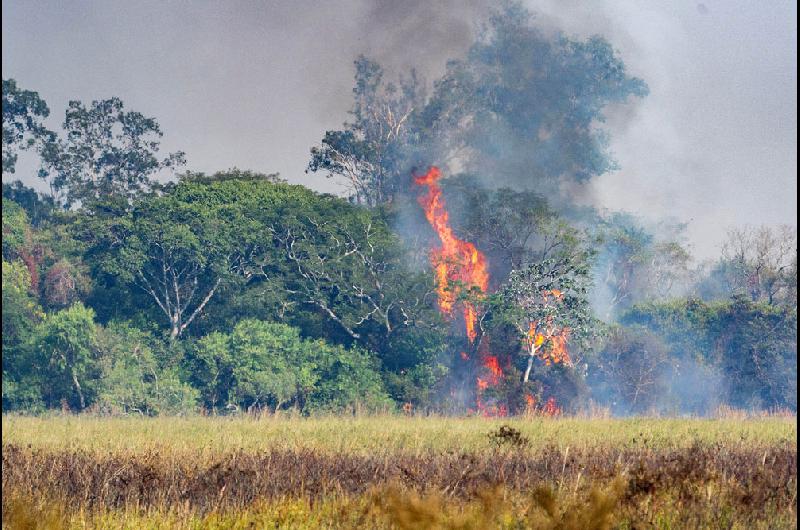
x=546 y=303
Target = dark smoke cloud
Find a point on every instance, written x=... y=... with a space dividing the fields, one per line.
x=255 y=84
x=421 y=34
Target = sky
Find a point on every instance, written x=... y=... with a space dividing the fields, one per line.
x=254 y=84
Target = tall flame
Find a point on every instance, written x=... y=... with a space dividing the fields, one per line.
x=458 y=264
x=455 y=261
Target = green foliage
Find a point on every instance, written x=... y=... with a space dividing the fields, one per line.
x=135 y=379
x=215 y=252
x=348 y=379
x=268 y=365
x=230 y=174
x=15 y=229
x=20 y=316
x=753 y=345
x=282 y=297
x=23 y=128
x=63 y=351
x=528 y=298
x=106 y=152
x=175 y=251
x=38 y=207
x=19 y=307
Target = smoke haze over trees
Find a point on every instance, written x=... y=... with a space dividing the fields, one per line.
x=236 y=290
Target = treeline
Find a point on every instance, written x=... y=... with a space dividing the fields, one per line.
x=237 y=291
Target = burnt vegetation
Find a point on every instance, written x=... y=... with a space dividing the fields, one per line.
x=708 y=482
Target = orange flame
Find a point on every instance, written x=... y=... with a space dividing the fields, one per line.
x=458 y=263
x=551 y=409
x=541 y=332
x=455 y=260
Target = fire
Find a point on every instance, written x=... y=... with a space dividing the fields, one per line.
x=557 y=339
x=541 y=332
x=458 y=264
x=550 y=407
x=455 y=261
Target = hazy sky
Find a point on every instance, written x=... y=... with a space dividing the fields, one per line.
x=255 y=84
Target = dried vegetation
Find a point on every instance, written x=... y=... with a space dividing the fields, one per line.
x=508 y=483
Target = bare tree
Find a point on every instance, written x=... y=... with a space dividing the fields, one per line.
x=761 y=262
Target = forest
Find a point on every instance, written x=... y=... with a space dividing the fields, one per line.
x=459 y=273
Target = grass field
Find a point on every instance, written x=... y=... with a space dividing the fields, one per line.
x=398 y=472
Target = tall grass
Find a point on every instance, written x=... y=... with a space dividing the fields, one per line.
x=379 y=434
x=397 y=472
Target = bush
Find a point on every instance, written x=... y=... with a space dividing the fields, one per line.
x=268 y=365
x=134 y=379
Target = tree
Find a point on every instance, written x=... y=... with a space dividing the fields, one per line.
x=24 y=112
x=134 y=379
x=760 y=263
x=634 y=265
x=64 y=284
x=632 y=370
x=175 y=249
x=342 y=261
x=293 y=252
x=546 y=302
x=263 y=364
x=530 y=103
x=522 y=107
x=19 y=242
x=21 y=314
x=751 y=345
x=198 y=177
x=106 y=152
x=38 y=207
x=15 y=229
x=63 y=346
x=756 y=347
x=511 y=227
x=370 y=153
x=348 y=379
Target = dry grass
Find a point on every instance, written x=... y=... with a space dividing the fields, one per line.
x=414 y=473
x=373 y=435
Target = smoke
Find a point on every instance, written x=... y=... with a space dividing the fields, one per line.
x=639 y=373
x=255 y=84
x=418 y=34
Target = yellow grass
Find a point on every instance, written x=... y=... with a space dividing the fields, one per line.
x=379 y=434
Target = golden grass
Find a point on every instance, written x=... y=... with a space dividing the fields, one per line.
x=380 y=434
x=64 y=471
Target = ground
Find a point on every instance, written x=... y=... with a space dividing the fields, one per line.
x=399 y=472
